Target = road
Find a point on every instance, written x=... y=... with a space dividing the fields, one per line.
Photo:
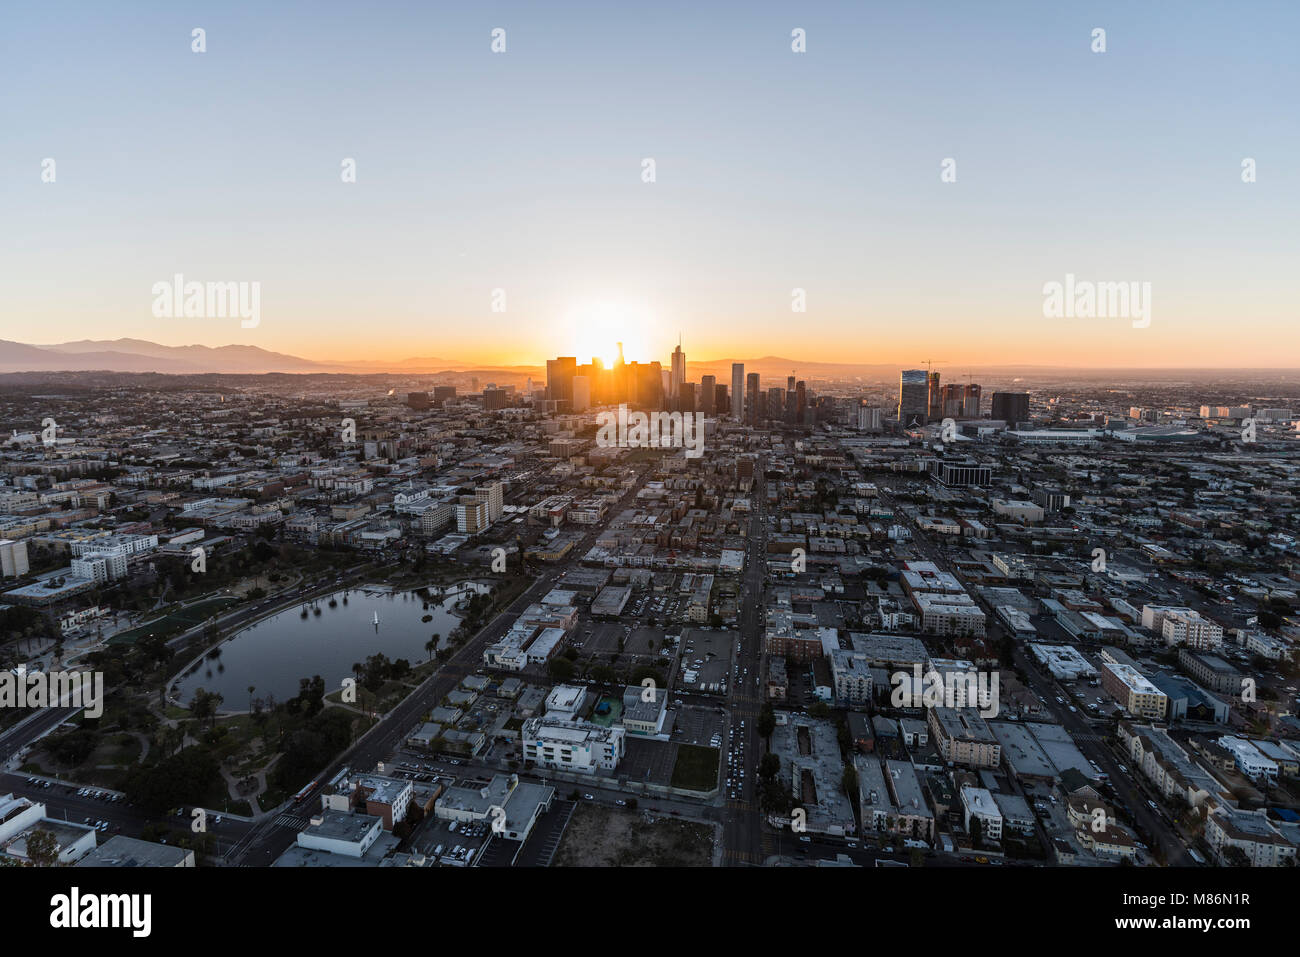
x=745 y=839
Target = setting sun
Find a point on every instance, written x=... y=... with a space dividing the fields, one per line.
x=594 y=329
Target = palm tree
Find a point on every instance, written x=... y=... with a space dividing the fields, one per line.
x=251 y=689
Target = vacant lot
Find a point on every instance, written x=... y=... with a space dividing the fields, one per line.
x=606 y=837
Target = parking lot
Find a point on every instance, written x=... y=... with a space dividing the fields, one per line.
x=705 y=662
x=700 y=725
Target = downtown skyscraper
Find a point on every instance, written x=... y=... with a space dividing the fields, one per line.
x=738 y=391
x=913 y=397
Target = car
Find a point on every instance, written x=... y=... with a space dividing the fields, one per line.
x=805 y=839
x=621 y=803
x=1123 y=770
x=1152 y=805
x=981 y=860
x=588 y=797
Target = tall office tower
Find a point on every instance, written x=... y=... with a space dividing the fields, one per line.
x=751 y=398
x=1011 y=407
x=686 y=397
x=666 y=383
x=708 y=392
x=581 y=393
x=935 y=400
x=913 y=397
x=951 y=405
x=441 y=393
x=559 y=377
x=776 y=403
x=644 y=386
x=719 y=399
x=473 y=381
x=800 y=402
x=970 y=405
x=679 y=370
x=654 y=387
x=738 y=390
x=789 y=383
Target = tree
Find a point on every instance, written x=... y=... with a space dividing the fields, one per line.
x=849 y=780
x=42 y=848
x=766 y=720
x=204 y=706
x=769 y=766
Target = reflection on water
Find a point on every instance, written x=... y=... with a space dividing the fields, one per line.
x=325 y=637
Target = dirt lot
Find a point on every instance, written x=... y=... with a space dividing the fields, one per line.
x=605 y=837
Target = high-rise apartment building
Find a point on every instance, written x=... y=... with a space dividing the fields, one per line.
x=970 y=407
x=950 y=403
x=934 y=398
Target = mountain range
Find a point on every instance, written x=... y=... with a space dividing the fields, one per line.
x=140 y=355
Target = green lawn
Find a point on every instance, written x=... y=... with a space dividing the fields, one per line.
x=176 y=622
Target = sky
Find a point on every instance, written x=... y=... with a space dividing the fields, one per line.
x=521 y=173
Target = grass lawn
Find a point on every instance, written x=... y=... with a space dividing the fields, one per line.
x=176 y=622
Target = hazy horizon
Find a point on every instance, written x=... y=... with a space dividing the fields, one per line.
x=776 y=171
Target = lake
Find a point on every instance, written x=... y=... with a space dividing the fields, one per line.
x=275 y=653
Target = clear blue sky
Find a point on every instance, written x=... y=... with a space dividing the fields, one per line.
x=775 y=170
